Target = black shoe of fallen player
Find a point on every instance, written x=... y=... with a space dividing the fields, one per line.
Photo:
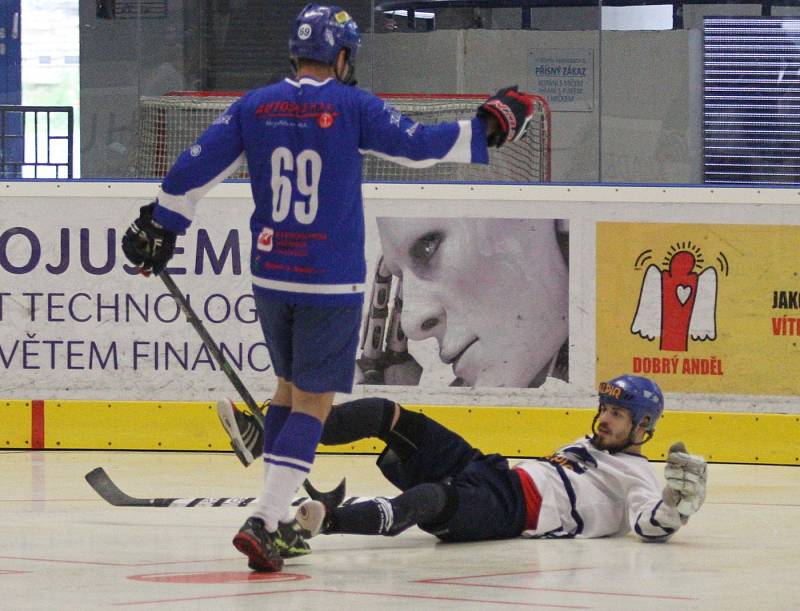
x=331 y=499
x=258 y=544
x=246 y=434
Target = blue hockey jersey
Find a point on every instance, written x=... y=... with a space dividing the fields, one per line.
x=304 y=141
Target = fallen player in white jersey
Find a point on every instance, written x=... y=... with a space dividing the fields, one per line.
x=597 y=486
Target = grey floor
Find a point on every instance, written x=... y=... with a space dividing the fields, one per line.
x=62 y=547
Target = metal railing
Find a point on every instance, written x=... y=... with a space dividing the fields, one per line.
x=33 y=144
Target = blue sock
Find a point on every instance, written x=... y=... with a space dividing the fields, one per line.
x=274 y=420
x=286 y=466
x=297 y=442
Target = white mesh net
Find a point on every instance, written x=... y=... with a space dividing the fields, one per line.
x=169 y=124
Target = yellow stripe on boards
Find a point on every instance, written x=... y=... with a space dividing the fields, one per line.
x=135 y=425
x=15 y=424
x=512 y=431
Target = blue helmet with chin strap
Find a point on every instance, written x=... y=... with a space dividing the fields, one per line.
x=640 y=396
x=320 y=32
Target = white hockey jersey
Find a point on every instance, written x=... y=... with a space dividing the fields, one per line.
x=586 y=493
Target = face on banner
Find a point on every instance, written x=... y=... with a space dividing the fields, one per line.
x=491 y=294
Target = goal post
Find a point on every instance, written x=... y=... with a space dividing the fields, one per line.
x=171 y=123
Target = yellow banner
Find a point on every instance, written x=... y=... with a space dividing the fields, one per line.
x=700 y=308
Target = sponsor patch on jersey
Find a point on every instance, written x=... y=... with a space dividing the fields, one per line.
x=575 y=458
x=304 y=31
x=329 y=37
x=223 y=119
x=342 y=17
x=305 y=114
x=195 y=150
x=265 y=239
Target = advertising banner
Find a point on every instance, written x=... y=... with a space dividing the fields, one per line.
x=484 y=303
x=701 y=308
x=77 y=321
x=479 y=302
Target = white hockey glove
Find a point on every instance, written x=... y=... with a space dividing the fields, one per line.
x=686 y=480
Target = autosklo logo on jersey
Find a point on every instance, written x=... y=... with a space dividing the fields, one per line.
x=304 y=31
x=324 y=113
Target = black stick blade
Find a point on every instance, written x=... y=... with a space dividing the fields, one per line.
x=101 y=483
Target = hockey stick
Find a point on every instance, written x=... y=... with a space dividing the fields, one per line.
x=209 y=343
x=103 y=485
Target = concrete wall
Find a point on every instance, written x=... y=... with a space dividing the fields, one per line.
x=645 y=121
x=643 y=124
x=652 y=106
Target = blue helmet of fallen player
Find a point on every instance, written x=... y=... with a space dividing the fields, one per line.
x=320 y=32
x=640 y=396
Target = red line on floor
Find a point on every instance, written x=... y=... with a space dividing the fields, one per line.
x=217 y=577
x=37 y=424
x=482 y=575
x=120 y=564
x=754 y=504
x=353 y=593
x=460 y=581
x=53 y=500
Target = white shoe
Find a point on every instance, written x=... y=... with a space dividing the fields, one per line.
x=247 y=437
x=311 y=516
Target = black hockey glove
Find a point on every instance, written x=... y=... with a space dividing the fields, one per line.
x=513 y=111
x=147 y=244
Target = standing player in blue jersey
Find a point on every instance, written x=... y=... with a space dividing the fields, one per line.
x=303 y=139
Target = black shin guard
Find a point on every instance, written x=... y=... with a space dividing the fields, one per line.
x=407 y=434
x=423 y=504
x=358 y=419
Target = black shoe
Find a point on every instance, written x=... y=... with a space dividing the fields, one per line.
x=331 y=499
x=259 y=545
x=245 y=432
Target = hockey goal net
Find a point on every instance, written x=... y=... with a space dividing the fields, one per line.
x=171 y=123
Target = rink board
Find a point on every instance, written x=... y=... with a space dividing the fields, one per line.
x=97 y=371
x=514 y=432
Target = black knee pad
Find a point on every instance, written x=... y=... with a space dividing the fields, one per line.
x=359 y=419
x=407 y=434
x=438 y=525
